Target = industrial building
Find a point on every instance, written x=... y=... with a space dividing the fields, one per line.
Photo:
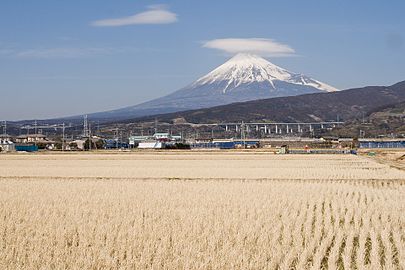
x=156 y=141
x=151 y=145
x=225 y=144
x=26 y=148
x=114 y=144
x=382 y=143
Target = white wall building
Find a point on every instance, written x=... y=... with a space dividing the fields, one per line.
x=151 y=145
x=6 y=146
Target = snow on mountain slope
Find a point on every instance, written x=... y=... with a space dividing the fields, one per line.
x=248 y=68
x=244 y=77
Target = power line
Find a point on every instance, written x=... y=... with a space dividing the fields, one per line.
x=55 y=126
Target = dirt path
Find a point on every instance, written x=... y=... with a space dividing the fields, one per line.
x=393 y=158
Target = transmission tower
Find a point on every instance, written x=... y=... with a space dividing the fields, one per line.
x=85 y=127
x=87 y=130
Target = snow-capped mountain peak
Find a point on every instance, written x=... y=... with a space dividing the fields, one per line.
x=246 y=68
x=244 y=77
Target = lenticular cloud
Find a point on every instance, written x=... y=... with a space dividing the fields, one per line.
x=261 y=46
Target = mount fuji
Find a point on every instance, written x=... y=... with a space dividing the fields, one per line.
x=244 y=77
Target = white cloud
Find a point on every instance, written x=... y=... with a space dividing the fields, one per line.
x=63 y=52
x=261 y=46
x=48 y=53
x=157 y=14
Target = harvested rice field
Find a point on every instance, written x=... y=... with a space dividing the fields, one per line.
x=192 y=210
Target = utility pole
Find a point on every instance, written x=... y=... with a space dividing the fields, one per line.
x=63 y=136
x=5 y=128
x=155 y=125
x=90 y=142
x=40 y=128
x=35 y=133
x=116 y=137
x=121 y=138
x=243 y=135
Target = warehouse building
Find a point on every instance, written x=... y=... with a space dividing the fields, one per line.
x=382 y=143
x=156 y=141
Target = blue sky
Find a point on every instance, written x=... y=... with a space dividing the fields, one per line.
x=61 y=58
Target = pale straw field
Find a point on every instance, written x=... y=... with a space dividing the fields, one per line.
x=200 y=211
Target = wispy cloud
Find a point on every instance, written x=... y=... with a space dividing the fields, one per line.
x=66 y=38
x=157 y=14
x=61 y=52
x=6 y=51
x=261 y=46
